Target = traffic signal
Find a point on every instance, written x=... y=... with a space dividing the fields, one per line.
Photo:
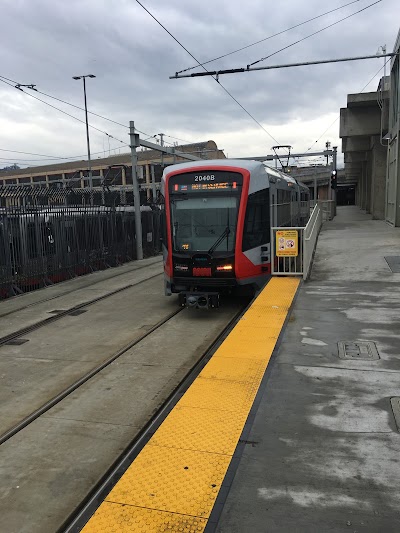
x=333 y=179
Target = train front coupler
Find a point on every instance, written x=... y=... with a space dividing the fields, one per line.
x=199 y=300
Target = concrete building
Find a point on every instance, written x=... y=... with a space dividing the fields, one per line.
x=369 y=128
x=363 y=125
x=318 y=179
x=393 y=159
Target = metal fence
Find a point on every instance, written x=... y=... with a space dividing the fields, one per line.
x=304 y=241
x=328 y=208
x=50 y=236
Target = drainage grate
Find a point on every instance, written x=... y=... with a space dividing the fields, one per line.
x=16 y=342
x=394 y=263
x=358 y=350
x=77 y=312
x=395 y=403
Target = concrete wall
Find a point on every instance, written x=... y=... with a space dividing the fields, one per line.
x=378 y=160
x=361 y=126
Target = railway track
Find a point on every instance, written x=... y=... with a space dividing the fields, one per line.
x=49 y=431
x=87 y=376
x=8 y=339
x=79 y=517
x=137 y=268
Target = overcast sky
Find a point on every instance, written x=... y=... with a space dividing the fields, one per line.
x=46 y=42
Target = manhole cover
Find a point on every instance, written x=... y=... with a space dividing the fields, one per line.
x=395 y=403
x=358 y=350
x=394 y=263
x=77 y=312
x=16 y=342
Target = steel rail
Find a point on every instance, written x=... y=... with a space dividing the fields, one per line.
x=72 y=290
x=79 y=382
x=41 y=323
x=80 y=516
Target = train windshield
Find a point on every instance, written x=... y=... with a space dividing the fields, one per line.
x=204 y=223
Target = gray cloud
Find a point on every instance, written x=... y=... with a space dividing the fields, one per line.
x=47 y=42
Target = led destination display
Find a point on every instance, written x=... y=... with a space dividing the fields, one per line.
x=206 y=181
x=211 y=186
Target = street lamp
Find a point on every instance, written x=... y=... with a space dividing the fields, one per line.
x=87 y=125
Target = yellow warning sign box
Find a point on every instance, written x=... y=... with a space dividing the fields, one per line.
x=287 y=243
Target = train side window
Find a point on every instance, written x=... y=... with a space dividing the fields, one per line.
x=283 y=208
x=256 y=229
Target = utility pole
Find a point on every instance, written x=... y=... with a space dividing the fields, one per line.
x=135 y=143
x=153 y=184
x=87 y=131
x=334 y=167
x=162 y=144
x=334 y=158
x=328 y=145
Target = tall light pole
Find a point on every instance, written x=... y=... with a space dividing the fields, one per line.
x=87 y=128
x=162 y=144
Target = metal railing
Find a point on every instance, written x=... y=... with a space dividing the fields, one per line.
x=296 y=259
x=50 y=239
x=328 y=208
x=310 y=236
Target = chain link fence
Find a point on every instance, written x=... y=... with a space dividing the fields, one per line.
x=49 y=235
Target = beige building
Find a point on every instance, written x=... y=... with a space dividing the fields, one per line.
x=115 y=170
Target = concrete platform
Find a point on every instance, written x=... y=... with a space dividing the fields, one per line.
x=323 y=453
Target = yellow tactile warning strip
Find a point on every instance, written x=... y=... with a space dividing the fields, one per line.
x=174 y=481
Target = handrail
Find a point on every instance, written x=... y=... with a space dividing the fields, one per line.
x=299 y=265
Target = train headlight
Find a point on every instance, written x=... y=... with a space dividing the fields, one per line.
x=224 y=268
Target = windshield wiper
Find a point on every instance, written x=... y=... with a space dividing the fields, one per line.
x=178 y=196
x=224 y=234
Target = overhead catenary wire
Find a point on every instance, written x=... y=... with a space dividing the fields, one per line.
x=337 y=118
x=219 y=83
x=251 y=68
x=53 y=158
x=314 y=33
x=62 y=111
x=72 y=105
x=29 y=153
x=92 y=113
x=269 y=37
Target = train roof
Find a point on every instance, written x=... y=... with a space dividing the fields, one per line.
x=247 y=164
x=255 y=167
x=258 y=169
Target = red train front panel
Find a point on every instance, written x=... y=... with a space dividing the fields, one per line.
x=205 y=216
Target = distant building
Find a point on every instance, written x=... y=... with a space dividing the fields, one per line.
x=111 y=171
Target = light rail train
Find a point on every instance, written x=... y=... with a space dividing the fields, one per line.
x=217 y=231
